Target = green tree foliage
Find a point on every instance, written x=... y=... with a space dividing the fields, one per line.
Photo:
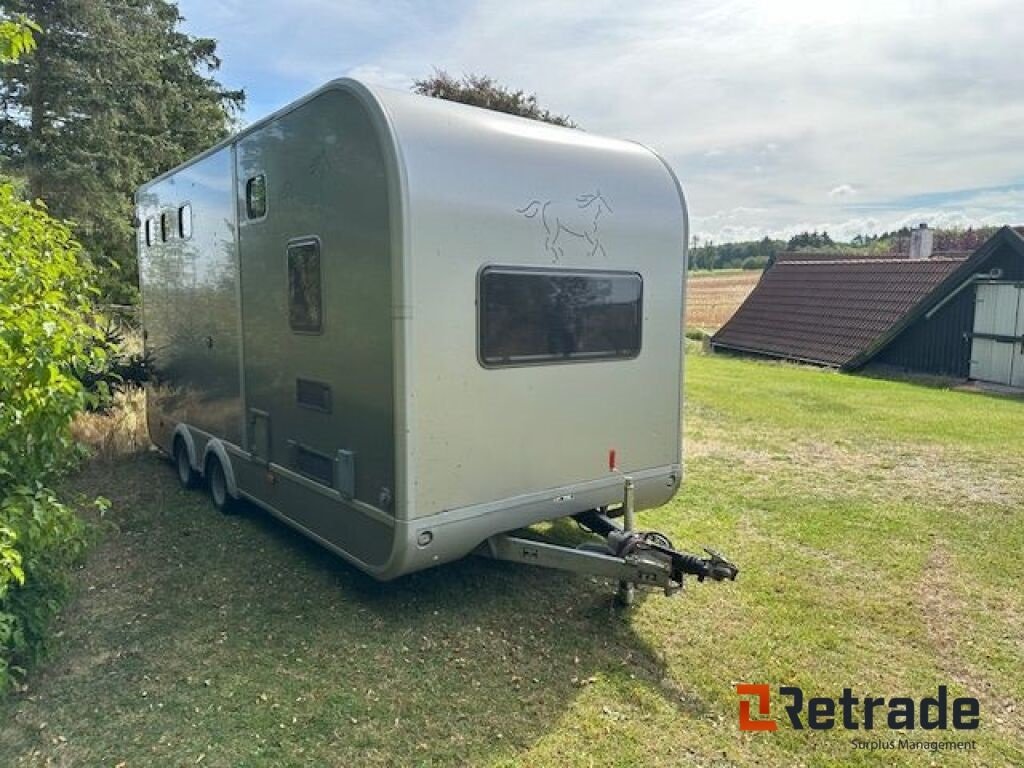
x=760 y=254
x=753 y=254
x=17 y=37
x=898 y=241
x=482 y=91
x=810 y=241
x=48 y=337
x=114 y=94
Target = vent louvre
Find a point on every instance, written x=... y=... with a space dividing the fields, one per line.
x=313 y=394
x=314 y=465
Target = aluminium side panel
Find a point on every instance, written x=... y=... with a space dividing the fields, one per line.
x=320 y=400
x=486 y=189
x=188 y=274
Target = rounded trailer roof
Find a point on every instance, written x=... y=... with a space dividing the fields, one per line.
x=454 y=148
x=450 y=145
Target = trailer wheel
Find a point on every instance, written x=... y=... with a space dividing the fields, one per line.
x=187 y=476
x=222 y=500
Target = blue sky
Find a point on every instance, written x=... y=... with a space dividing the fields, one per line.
x=778 y=116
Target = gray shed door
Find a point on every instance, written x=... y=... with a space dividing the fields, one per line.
x=997 y=352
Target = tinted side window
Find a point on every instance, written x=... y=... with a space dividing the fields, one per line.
x=531 y=316
x=256 y=197
x=185 y=221
x=305 y=312
x=150 y=232
x=165 y=226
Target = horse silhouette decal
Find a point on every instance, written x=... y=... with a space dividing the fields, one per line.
x=579 y=220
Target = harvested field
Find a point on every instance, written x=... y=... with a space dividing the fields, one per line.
x=713 y=297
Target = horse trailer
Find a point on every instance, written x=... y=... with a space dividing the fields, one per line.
x=410 y=328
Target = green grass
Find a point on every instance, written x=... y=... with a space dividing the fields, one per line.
x=879 y=526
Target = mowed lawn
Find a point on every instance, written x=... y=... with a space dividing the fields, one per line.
x=879 y=526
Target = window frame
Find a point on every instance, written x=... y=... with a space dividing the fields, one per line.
x=532 y=269
x=149 y=231
x=248 y=197
x=294 y=243
x=187 y=205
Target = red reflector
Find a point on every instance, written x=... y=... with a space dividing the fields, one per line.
x=611 y=460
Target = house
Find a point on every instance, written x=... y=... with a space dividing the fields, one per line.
x=943 y=313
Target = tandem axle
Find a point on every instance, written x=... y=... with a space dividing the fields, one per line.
x=633 y=558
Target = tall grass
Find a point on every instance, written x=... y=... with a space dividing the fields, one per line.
x=116 y=432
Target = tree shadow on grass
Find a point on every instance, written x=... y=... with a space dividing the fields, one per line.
x=241 y=640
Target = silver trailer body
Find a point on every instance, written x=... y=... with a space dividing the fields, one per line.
x=415 y=410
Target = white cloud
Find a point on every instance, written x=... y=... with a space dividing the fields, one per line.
x=757 y=105
x=843 y=190
x=375 y=75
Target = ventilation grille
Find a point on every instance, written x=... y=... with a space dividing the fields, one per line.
x=313 y=394
x=314 y=465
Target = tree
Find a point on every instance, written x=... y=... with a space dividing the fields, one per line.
x=48 y=337
x=483 y=91
x=17 y=37
x=114 y=94
x=811 y=241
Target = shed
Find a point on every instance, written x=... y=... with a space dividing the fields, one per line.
x=959 y=315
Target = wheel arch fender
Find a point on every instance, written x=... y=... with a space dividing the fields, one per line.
x=183 y=432
x=215 y=447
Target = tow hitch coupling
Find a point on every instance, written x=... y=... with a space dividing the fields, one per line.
x=644 y=558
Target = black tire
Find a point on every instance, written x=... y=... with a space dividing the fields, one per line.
x=188 y=478
x=218 y=482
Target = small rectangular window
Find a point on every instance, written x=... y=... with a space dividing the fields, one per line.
x=185 y=221
x=305 y=312
x=256 y=197
x=165 y=227
x=150 y=232
x=530 y=316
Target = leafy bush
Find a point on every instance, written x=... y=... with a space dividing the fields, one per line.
x=124 y=370
x=48 y=336
x=755 y=262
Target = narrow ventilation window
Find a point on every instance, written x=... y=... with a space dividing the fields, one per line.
x=256 y=197
x=185 y=221
x=305 y=306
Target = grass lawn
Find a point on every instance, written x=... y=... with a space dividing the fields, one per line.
x=879 y=526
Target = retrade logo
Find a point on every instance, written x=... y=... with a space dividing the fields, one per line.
x=851 y=713
x=763 y=694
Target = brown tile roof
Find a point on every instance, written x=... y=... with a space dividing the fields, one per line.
x=830 y=311
x=832 y=256
x=861 y=255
